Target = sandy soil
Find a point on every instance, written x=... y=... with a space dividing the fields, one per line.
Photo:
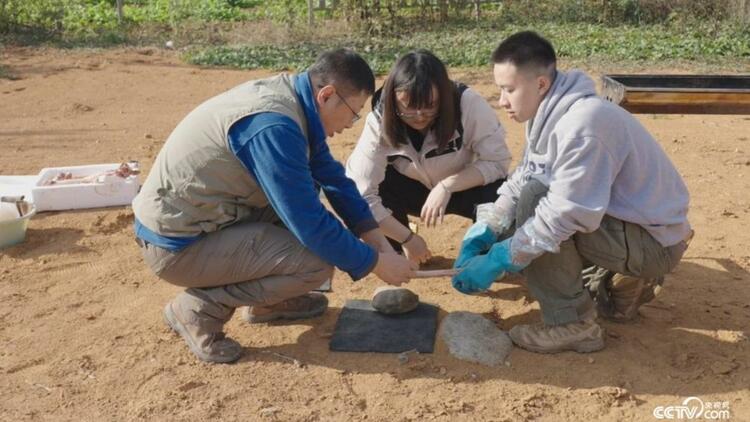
x=81 y=331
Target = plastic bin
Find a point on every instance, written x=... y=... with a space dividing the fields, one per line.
x=13 y=226
x=111 y=191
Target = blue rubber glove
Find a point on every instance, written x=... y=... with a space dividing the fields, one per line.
x=480 y=271
x=478 y=239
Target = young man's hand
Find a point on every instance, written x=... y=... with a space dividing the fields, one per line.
x=479 y=272
x=477 y=240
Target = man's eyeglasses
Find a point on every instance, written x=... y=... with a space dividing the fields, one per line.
x=428 y=114
x=356 y=115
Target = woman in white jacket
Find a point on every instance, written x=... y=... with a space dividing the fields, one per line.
x=430 y=147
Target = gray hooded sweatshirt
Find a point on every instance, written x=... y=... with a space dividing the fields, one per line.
x=596 y=159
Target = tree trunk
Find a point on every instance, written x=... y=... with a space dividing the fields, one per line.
x=5 y=21
x=741 y=10
x=120 y=16
x=310 y=13
x=477 y=9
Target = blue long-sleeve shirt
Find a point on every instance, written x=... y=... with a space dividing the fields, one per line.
x=275 y=151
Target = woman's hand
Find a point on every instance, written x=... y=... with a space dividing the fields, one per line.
x=435 y=205
x=416 y=250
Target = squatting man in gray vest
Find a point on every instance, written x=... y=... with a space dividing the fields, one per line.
x=231 y=208
x=594 y=199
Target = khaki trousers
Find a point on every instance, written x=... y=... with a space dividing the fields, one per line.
x=246 y=264
x=555 y=279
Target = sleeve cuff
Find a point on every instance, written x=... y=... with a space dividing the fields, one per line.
x=368 y=269
x=505 y=204
x=488 y=173
x=380 y=212
x=365 y=226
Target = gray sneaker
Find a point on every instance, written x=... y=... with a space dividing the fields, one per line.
x=306 y=306
x=207 y=345
x=583 y=337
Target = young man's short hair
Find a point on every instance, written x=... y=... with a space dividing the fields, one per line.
x=345 y=69
x=526 y=49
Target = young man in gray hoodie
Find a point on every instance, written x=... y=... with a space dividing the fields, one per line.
x=595 y=202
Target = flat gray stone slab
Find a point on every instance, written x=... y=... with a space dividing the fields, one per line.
x=474 y=338
x=362 y=329
x=391 y=300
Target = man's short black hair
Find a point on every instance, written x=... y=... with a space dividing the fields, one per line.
x=526 y=49
x=345 y=69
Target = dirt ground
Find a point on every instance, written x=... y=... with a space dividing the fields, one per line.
x=81 y=331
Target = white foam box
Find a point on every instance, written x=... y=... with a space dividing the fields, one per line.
x=113 y=191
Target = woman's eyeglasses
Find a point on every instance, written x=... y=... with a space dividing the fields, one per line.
x=414 y=115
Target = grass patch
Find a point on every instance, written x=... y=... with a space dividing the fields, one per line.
x=253 y=34
x=471 y=47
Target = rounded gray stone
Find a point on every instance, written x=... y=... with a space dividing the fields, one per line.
x=474 y=338
x=394 y=300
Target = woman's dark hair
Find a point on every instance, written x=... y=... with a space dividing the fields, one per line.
x=415 y=74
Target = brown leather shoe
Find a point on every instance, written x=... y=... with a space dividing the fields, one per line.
x=583 y=337
x=628 y=293
x=306 y=306
x=203 y=340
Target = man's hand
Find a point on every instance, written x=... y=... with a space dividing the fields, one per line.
x=435 y=205
x=416 y=249
x=394 y=269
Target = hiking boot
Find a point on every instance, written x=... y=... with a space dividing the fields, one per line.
x=582 y=336
x=200 y=333
x=627 y=294
x=306 y=306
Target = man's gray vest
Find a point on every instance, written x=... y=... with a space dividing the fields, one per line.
x=196 y=183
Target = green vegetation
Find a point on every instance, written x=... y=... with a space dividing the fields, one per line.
x=472 y=47
x=96 y=22
x=275 y=34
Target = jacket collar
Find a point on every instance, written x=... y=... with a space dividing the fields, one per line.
x=304 y=90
